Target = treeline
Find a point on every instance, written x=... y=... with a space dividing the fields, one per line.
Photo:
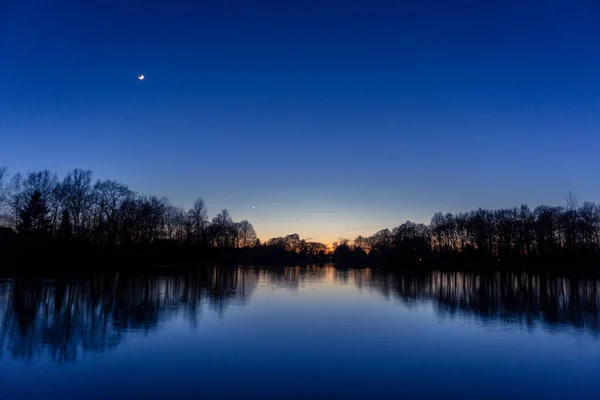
x=569 y=234
x=78 y=213
x=108 y=213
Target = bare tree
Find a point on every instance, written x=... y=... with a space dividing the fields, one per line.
x=3 y=195
x=571 y=201
x=16 y=198
x=78 y=198
x=246 y=234
x=292 y=243
x=151 y=219
x=223 y=232
x=108 y=196
x=362 y=242
x=198 y=219
x=174 y=222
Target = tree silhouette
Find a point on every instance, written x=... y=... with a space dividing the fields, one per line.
x=198 y=220
x=246 y=234
x=3 y=189
x=222 y=230
x=65 y=232
x=34 y=217
x=107 y=214
x=78 y=198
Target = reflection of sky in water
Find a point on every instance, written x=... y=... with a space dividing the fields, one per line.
x=298 y=333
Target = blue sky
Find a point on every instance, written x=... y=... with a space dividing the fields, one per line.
x=332 y=118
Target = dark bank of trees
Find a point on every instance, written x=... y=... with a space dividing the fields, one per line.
x=545 y=235
x=42 y=214
x=108 y=213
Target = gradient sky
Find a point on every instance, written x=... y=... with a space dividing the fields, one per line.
x=332 y=118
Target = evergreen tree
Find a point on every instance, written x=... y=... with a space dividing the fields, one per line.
x=34 y=217
x=65 y=231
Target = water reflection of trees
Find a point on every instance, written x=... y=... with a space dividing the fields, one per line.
x=65 y=318
x=521 y=298
x=295 y=277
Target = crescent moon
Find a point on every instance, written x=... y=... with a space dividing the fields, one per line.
x=141 y=77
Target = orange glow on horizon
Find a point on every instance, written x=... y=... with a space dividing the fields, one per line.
x=326 y=241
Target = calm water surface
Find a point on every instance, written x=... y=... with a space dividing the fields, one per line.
x=315 y=332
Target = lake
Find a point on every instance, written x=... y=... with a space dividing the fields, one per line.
x=302 y=333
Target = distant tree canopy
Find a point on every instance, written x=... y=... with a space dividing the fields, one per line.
x=502 y=235
x=108 y=213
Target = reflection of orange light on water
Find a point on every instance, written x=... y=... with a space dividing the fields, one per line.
x=329 y=274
